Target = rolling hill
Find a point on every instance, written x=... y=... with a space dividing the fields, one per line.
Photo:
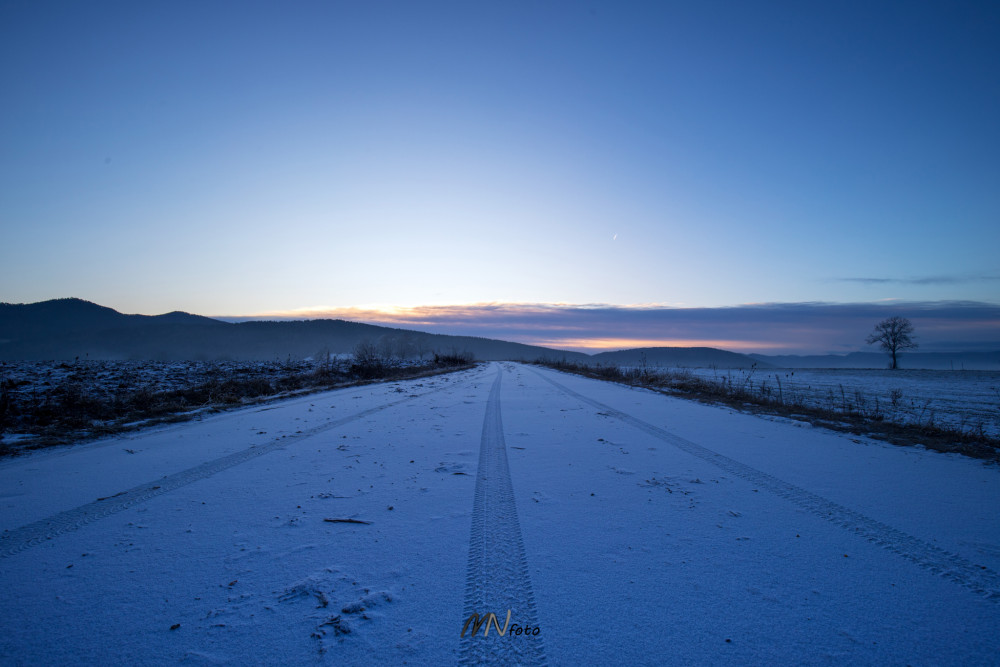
x=74 y=328
x=683 y=357
x=66 y=329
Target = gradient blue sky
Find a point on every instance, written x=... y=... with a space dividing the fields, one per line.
x=244 y=158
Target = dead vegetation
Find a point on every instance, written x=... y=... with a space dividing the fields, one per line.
x=44 y=404
x=847 y=410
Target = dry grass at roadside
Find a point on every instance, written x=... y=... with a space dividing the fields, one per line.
x=85 y=400
x=852 y=411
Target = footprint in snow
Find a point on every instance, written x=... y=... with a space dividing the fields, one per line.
x=451 y=467
x=540 y=497
x=340 y=607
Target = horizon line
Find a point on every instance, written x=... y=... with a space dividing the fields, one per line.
x=789 y=328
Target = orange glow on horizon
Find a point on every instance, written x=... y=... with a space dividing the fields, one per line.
x=611 y=344
x=431 y=312
x=492 y=320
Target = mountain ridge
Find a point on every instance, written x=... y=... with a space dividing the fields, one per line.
x=68 y=328
x=71 y=328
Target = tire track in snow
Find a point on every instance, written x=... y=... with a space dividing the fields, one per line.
x=498 y=577
x=981 y=580
x=18 y=539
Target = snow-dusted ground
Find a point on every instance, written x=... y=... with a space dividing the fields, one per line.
x=40 y=399
x=107 y=377
x=32 y=385
x=966 y=400
x=630 y=527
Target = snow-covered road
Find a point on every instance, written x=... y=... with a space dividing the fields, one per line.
x=625 y=526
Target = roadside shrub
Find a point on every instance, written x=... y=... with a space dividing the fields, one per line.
x=454 y=358
x=370 y=360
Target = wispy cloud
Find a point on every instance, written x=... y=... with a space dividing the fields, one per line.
x=803 y=328
x=924 y=280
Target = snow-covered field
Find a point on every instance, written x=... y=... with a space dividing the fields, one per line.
x=107 y=377
x=966 y=400
x=28 y=387
x=365 y=525
x=45 y=398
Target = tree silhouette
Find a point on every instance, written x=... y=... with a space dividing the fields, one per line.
x=893 y=335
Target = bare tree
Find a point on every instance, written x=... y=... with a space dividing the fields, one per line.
x=893 y=335
x=369 y=360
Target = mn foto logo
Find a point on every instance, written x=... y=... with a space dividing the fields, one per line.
x=477 y=621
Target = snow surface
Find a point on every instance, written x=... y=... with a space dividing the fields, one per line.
x=964 y=400
x=630 y=527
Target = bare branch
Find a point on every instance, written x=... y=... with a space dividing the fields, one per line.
x=893 y=335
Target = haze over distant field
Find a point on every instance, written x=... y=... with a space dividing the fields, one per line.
x=686 y=159
x=794 y=328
